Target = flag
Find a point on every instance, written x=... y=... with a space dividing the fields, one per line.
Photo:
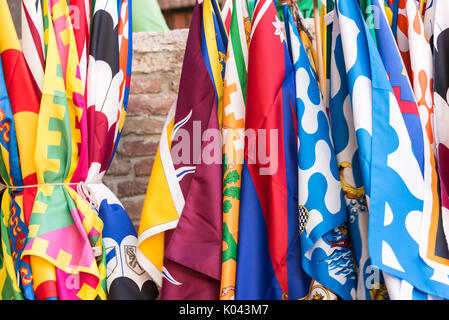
x=387 y=152
x=269 y=254
x=107 y=93
x=417 y=56
x=170 y=243
x=25 y=110
x=59 y=209
x=80 y=10
x=441 y=107
x=226 y=14
x=33 y=41
x=347 y=155
x=325 y=241
x=415 y=121
x=234 y=96
x=10 y=173
x=193 y=259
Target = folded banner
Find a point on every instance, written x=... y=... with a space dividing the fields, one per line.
x=58 y=218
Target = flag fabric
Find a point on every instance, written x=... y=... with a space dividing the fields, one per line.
x=269 y=259
x=387 y=150
x=33 y=41
x=347 y=155
x=440 y=49
x=234 y=96
x=53 y=240
x=58 y=209
x=226 y=14
x=417 y=56
x=325 y=241
x=192 y=260
x=25 y=109
x=169 y=241
x=81 y=20
x=10 y=173
x=419 y=131
x=107 y=93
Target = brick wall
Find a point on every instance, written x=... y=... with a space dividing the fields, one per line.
x=157 y=64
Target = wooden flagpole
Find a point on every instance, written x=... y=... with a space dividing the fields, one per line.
x=319 y=48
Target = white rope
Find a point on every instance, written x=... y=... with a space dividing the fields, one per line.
x=82 y=189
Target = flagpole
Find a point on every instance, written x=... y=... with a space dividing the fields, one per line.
x=319 y=48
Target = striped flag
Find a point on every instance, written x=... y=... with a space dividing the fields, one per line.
x=269 y=254
x=234 y=96
x=325 y=241
x=33 y=41
x=226 y=14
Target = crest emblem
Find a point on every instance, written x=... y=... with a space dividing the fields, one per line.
x=131 y=260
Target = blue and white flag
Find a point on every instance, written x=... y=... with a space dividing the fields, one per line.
x=391 y=175
x=370 y=283
x=325 y=245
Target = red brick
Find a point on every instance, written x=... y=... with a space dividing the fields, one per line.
x=141 y=85
x=150 y=104
x=139 y=148
x=143 y=167
x=119 y=167
x=143 y=126
x=132 y=188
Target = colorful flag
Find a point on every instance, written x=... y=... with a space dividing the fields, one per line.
x=417 y=56
x=269 y=254
x=107 y=93
x=10 y=173
x=441 y=108
x=80 y=16
x=234 y=96
x=59 y=209
x=325 y=242
x=25 y=109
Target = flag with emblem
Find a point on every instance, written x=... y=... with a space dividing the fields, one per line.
x=325 y=243
x=269 y=253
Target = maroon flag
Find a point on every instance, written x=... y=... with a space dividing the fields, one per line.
x=192 y=261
